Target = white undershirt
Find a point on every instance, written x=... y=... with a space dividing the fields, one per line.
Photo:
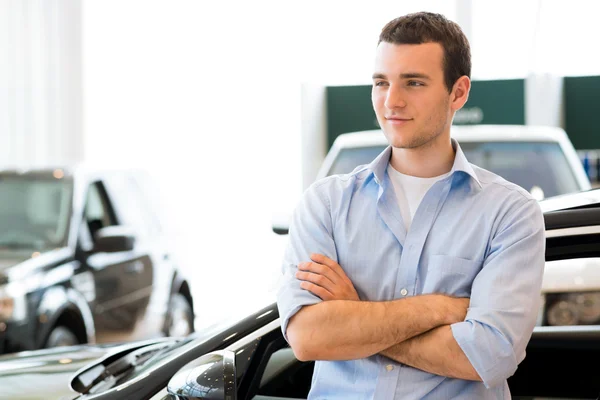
x=410 y=190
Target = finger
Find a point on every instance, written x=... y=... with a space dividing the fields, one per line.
x=318 y=291
x=334 y=266
x=317 y=279
x=319 y=269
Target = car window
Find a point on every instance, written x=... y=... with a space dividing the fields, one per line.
x=350 y=158
x=36 y=210
x=150 y=202
x=539 y=167
x=132 y=206
x=275 y=371
x=98 y=211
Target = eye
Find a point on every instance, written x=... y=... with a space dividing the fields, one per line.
x=415 y=83
x=380 y=83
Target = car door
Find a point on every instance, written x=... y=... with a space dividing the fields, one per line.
x=119 y=283
x=141 y=276
x=159 y=240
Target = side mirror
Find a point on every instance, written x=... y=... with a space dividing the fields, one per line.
x=281 y=224
x=211 y=376
x=112 y=239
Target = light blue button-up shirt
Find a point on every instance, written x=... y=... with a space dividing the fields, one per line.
x=474 y=235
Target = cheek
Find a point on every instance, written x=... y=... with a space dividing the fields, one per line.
x=378 y=100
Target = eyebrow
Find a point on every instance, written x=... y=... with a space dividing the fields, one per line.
x=408 y=75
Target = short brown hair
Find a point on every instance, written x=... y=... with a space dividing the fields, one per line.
x=426 y=27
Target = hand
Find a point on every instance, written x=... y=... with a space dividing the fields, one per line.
x=453 y=309
x=326 y=279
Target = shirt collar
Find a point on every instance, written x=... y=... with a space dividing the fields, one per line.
x=380 y=164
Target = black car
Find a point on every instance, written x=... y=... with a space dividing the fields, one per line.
x=249 y=359
x=84 y=259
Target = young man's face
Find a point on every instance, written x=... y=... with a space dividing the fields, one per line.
x=409 y=95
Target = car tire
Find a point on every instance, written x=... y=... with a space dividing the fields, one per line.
x=180 y=318
x=61 y=336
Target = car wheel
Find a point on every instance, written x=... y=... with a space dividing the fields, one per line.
x=61 y=336
x=180 y=320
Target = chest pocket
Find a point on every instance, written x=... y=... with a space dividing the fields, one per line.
x=450 y=275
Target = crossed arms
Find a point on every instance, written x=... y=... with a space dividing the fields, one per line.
x=480 y=338
x=414 y=331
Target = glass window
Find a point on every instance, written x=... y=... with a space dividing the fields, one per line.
x=98 y=213
x=540 y=168
x=132 y=205
x=350 y=158
x=35 y=212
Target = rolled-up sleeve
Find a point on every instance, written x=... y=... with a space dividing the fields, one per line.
x=505 y=296
x=310 y=232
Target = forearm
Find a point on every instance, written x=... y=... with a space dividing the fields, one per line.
x=346 y=330
x=436 y=352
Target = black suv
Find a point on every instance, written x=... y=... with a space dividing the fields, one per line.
x=84 y=259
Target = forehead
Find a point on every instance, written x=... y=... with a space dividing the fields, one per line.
x=396 y=59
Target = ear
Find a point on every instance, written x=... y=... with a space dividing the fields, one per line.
x=460 y=93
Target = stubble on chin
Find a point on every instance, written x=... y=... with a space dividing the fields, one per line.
x=420 y=140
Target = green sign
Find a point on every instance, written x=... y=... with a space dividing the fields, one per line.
x=500 y=102
x=349 y=108
x=582 y=111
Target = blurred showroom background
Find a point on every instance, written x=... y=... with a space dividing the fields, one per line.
x=208 y=97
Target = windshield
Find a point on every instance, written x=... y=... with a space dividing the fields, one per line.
x=35 y=212
x=539 y=167
x=350 y=158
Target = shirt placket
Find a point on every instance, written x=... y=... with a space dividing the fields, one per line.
x=387 y=207
x=406 y=283
x=412 y=244
x=387 y=378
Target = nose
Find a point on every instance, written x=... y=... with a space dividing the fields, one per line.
x=394 y=98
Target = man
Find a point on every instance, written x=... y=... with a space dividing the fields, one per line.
x=417 y=276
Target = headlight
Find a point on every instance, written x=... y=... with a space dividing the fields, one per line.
x=588 y=306
x=574 y=309
x=7 y=307
x=562 y=313
x=13 y=305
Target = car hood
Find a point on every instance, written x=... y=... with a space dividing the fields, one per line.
x=20 y=265
x=45 y=374
x=576 y=275
x=12 y=260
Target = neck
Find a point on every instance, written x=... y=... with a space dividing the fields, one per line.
x=432 y=159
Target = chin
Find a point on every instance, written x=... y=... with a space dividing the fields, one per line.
x=398 y=141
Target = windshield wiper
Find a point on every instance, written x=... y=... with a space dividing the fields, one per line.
x=111 y=369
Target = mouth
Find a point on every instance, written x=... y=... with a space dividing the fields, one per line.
x=398 y=121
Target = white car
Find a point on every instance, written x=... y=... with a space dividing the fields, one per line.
x=542 y=160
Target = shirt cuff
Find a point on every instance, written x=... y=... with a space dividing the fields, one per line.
x=487 y=350
x=289 y=301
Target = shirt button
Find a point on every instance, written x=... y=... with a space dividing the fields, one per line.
x=404 y=292
x=389 y=367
